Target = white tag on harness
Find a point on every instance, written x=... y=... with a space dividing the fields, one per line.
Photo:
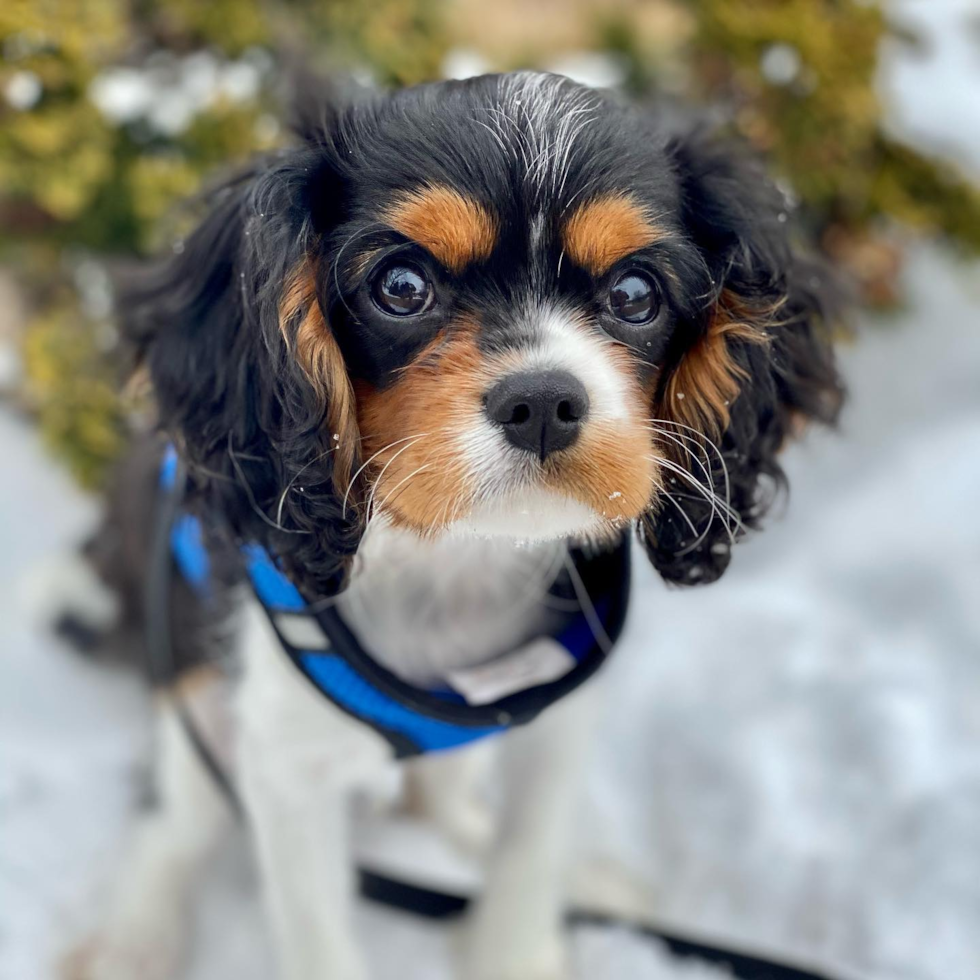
x=301 y=632
x=539 y=662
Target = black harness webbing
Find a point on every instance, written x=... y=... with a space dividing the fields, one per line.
x=431 y=903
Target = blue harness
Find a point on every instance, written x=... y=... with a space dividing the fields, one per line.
x=414 y=720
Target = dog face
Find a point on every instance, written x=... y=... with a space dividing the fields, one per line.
x=507 y=306
x=501 y=298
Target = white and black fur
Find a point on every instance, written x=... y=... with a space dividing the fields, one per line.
x=276 y=371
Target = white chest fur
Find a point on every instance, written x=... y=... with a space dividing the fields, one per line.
x=421 y=608
x=425 y=607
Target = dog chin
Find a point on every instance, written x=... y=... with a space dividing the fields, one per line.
x=530 y=516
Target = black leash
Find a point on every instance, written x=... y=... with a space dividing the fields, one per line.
x=429 y=903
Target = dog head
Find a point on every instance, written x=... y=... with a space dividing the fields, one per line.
x=505 y=306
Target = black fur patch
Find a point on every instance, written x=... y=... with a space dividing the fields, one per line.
x=530 y=148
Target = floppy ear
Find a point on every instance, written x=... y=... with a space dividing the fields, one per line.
x=248 y=377
x=750 y=369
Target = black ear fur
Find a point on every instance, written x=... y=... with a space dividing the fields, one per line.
x=778 y=355
x=206 y=323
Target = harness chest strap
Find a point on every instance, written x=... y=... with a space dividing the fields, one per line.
x=483 y=701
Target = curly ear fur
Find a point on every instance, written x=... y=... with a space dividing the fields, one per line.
x=247 y=375
x=748 y=372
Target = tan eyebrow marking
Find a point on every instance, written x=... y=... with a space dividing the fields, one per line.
x=605 y=230
x=457 y=230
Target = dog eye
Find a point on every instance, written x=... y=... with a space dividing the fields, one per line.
x=634 y=298
x=402 y=290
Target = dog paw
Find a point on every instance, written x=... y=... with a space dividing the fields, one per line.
x=546 y=961
x=521 y=972
x=119 y=957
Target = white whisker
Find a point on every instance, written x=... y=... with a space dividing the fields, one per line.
x=296 y=476
x=700 y=435
x=400 y=483
x=703 y=491
x=681 y=511
x=380 y=477
x=707 y=475
x=336 y=266
x=253 y=503
x=585 y=601
x=367 y=463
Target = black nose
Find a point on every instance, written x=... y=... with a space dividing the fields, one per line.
x=539 y=411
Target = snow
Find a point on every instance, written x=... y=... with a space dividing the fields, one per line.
x=791 y=757
x=933 y=99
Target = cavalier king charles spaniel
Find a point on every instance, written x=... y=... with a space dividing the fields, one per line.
x=455 y=334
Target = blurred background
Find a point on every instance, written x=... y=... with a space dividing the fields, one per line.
x=793 y=762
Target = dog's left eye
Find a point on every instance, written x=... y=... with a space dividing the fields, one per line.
x=634 y=298
x=402 y=290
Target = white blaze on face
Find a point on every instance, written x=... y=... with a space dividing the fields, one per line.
x=510 y=500
x=564 y=341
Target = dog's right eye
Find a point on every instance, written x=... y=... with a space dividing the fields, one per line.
x=633 y=298
x=402 y=290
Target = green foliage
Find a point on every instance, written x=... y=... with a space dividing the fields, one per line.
x=801 y=76
x=76 y=391
x=55 y=158
x=77 y=181
x=83 y=177
x=400 y=41
x=231 y=25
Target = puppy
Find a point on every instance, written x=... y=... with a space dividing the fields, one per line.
x=439 y=362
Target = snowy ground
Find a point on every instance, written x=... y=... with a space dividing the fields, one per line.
x=793 y=762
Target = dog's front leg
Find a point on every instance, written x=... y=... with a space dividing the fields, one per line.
x=145 y=930
x=300 y=760
x=306 y=876
x=516 y=931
